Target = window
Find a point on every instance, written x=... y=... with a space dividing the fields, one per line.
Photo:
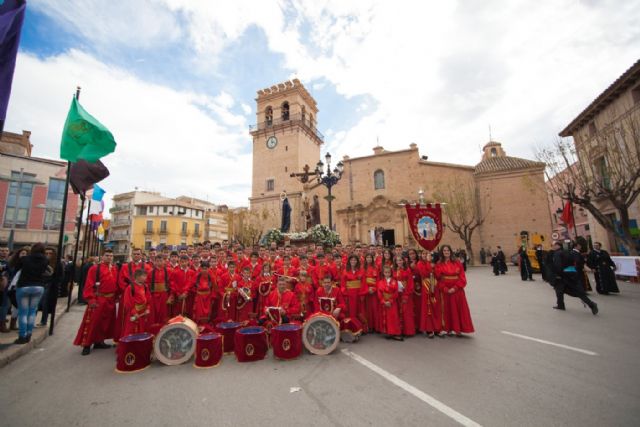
x=149 y=226
x=147 y=245
x=142 y=210
x=17 y=218
x=184 y=228
x=304 y=114
x=268 y=116
x=163 y=226
x=285 y=110
x=311 y=125
x=378 y=180
x=196 y=228
x=494 y=152
x=164 y=209
x=152 y=209
x=601 y=169
x=55 y=196
x=271 y=184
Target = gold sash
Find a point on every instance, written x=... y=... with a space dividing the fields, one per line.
x=353 y=284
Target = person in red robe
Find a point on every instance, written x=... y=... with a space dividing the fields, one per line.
x=329 y=299
x=286 y=270
x=404 y=277
x=228 y=285
x=351 y=287
x=388 y=297
x=100 y=292
x=285 y=300
x=206 y=298
x=181 y=280
x=255 y=263
x=309 y=269
x=451 y=279
x=321 y=269
x=370 y=300
x=412 y=263
x=304 y=292
x=158 y=285
x=125 y=279
x=136 y=307
x=264 y=284
x=246 y=292
x=430 y=308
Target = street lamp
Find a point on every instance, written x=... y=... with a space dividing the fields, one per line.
x=328 y=179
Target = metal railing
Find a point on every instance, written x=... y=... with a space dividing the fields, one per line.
x=120 y=208
x=293 y=119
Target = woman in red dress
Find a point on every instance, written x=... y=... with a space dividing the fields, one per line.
x=370 y=295
x=451 y=283
x=351 y=286
x=412 y=262
x=387 y=259
x=430 y=309
x=388 y=297
x=402 y=273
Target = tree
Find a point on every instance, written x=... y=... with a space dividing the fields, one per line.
x=249 y=225
x=462 y=208
x=601 y=175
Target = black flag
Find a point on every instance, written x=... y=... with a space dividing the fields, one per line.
x=84 y=175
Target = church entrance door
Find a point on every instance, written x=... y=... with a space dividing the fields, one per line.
x=389 y=237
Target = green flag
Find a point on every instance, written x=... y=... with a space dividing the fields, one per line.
x=83 y=137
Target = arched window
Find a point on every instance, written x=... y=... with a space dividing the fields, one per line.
x=268 y=116
x=494 y=152
x=378 y=179
x=285 y=110
x=304 y=114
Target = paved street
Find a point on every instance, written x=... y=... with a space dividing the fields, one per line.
x=492 y=378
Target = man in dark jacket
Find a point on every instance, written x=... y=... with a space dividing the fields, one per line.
x=566 y=278
x=603 y=270
x=29 y=289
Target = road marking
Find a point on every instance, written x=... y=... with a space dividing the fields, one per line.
x=448 y=411
x=555 y=344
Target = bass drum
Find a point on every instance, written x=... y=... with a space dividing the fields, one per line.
x=321 y=334
x=176 y=341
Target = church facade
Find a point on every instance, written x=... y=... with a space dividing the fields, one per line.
x=368 y=204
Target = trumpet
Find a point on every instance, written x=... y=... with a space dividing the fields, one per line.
x=245 y=293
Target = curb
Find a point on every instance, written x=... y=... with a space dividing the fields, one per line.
x=39 y=335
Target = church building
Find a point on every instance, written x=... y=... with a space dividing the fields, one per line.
x=369 y=200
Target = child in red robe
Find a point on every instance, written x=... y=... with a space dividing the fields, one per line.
x=388 y=297
x=430 y=308
x=285 y=301
x=206 y=297
x=246 y=291
x=370 y=294
x=136 y=308
x=181 y=280
x=404 y=277
x=304 y=292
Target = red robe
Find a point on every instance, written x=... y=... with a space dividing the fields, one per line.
x=245 y=308
x=135 y=304
x=100 y=315
x=430 y=307
x=158 y=285
x=389 y=316
x=228 y=297
x=370 y=300
x=336 y=294
x=287 y=300
x=456 y=314
x=407 y=316
x=125 y=278
x=263 y=286
x=291 y=273
x=181 y=282
x=206 y=290
x=304 y=292
x=351 y=287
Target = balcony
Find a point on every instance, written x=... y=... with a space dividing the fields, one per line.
x=196 y=234
x=119 y=236
x=293 y=120
x=120 y=208
x=121 y=222
x=184 y=233
x=148 y=231
x=163 y=231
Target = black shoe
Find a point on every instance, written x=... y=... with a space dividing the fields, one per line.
x=21 y=340
x=101 y=346
x=531 y=279
x=594 y=308
x=28 y=337
x=86 y=351
x=558 y=307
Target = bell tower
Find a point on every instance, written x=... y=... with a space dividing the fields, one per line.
x=285 y=139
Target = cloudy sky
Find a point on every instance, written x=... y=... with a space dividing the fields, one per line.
x=175 y=80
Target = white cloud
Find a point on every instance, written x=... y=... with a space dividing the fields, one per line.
x=166 y=140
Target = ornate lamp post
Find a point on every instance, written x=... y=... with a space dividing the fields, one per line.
x=328 y=179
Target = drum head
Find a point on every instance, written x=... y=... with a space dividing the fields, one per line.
x=175 y=343
x=321 y=335
x=228 y=325
x=136 y=337
x=209 y=336
x=251 y=330
x=288 y=327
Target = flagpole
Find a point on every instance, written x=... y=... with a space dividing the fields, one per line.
x=75 y=250
x=53 y=293
x=86 y=233
x=573 y=219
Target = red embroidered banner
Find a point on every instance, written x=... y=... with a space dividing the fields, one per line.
x=425 y=222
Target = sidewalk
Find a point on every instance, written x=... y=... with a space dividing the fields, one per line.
x=10 y=351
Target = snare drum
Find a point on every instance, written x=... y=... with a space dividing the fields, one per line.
x=228 y=331
x=208 y=350
x=250 y=344
x=134 y=352
x=176 y=341
x=321 y=334
x=286 y=341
